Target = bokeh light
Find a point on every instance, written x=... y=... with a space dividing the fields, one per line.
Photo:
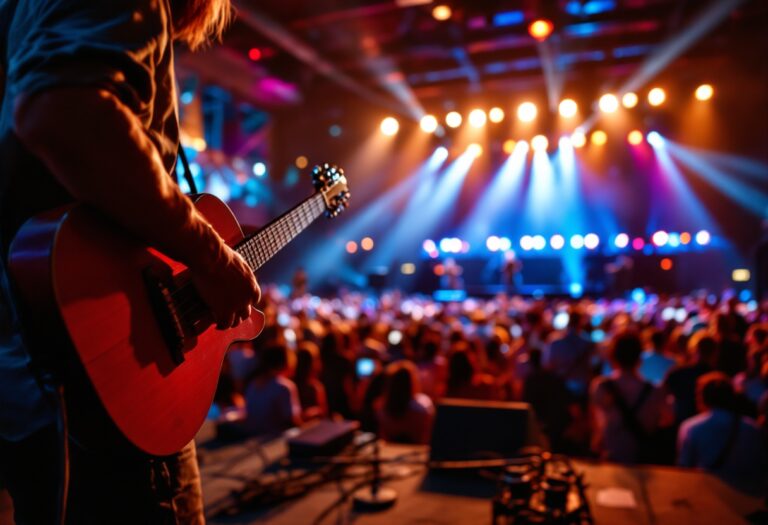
x=390 y=126
x=527 y=112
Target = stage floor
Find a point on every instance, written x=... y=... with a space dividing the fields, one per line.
x=662 y=495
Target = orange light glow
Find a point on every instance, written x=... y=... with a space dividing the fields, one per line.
x=351 y=247
x=540 y=29
x=666 y=264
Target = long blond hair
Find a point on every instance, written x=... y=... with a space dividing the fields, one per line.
x=197 y=22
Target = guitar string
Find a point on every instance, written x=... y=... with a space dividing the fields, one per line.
x=260 y=248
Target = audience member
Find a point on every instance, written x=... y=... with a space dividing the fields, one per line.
x=680 y=382
x=405 y=415
x=655 y=362
x=311 y=391
x=627 y=410
x=271 y=399
x=463 y=379
x=547 y=394
x=570 y=356
x=720 y=440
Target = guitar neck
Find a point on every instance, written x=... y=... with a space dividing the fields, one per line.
x=264 y=244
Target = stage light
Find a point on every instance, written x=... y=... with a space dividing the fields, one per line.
x=656 y=96
x=608 y=103
x=557 y=242
x=629 y=100
x=509 y=146
x=576 y=289
x=564 y=142
x=660 y=238
x=335 y=131
x=505 y=244
x=351 y=247
x=741 y=275
x=568 y=108
x=496 y=115
x=255 y=54
x=666 y=264
x=540 y=29
x=526 y=242
x=198 y=144
x=453 y=119
x=591 y=241
x=492 y=243
x=259 y=169
x=638 y=243
x=429 y=246
x=408 y=268
x=475 y=150
x=539 y=143
x=367 y=244
x=477 y=118
x=458 y=245
x=445 y=245
x=704 y=92
x=302 y=162
x=599 y=138
x=390 y=126
x=685 y=238
x=577 y=242
x=428 y=123
x=621 y=241
x=654 y=139
x=703 y=238
x=539 y=242
x=578 y=139
x=674 y=240
x=635 y=137
x=527 y=112
x=442 y=12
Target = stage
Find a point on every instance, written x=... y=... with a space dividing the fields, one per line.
x=652 y=495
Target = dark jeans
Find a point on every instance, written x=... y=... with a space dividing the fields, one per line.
x=103 y=488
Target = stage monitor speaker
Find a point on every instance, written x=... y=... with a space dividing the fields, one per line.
x=467 y=430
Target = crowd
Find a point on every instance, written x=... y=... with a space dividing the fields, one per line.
x=643 y=380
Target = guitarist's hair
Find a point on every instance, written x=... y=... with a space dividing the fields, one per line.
x=197 y=22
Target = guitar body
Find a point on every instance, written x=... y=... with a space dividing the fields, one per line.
x=116 y=302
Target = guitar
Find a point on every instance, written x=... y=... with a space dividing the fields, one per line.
x=143 y=336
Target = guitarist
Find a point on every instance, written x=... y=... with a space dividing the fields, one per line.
x=89 y=115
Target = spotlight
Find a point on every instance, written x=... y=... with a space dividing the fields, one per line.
x=656 y=97
x=453 y=119
x=660 y=238
x=492 y=243
x=539 y=143
x=445 y=245
x=302 y=162
x=526 y=242
x=638 y=243
x=703 y=238
x=621 y=240
x=564 y=142
x=259 y=169
x=591 y=241
x=704 y=92
x=540 y=29
x=654 y=139
x=509 y=146
x=557 y=242
x=442 y=12
x=408 y=268
x=685 y=238
x=539 y=242
x=674 y=240
x=505 y=244
x=496 y=115
x=527 y=111
x=475 y=150
x=429 y=246
x=568 y=108
x=578 y=139
x=367 y=244
x=477 y=118
x=608 y=103
x=255 y=54
x=428 y=123
x=390 y=126
x=666 y=264
x=635 y=137
x=577 y=242
x=741 y=275
x=599 y=138
x=351 y=247
x=629 y=100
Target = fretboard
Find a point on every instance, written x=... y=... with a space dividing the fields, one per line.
x=264 y=244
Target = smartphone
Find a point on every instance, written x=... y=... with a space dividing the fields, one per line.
x=365 y=366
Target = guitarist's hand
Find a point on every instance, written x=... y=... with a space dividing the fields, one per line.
x=228 y=287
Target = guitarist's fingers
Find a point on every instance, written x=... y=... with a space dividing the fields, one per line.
x=256 y=294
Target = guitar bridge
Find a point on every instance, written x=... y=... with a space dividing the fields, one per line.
x=167 y=316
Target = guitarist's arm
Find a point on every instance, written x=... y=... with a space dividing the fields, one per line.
x=79 y=131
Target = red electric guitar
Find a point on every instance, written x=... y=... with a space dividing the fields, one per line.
x=143 y=336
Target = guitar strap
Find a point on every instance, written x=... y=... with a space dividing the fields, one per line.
x=187 y=172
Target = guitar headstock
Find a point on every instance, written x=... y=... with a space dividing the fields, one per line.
x=330 y=182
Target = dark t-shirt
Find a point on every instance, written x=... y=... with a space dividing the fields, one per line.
x=681 y=383
x=123 y=46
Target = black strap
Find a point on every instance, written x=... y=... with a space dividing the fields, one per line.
x=629 y=413
x=187 y=172
x=726 y=451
